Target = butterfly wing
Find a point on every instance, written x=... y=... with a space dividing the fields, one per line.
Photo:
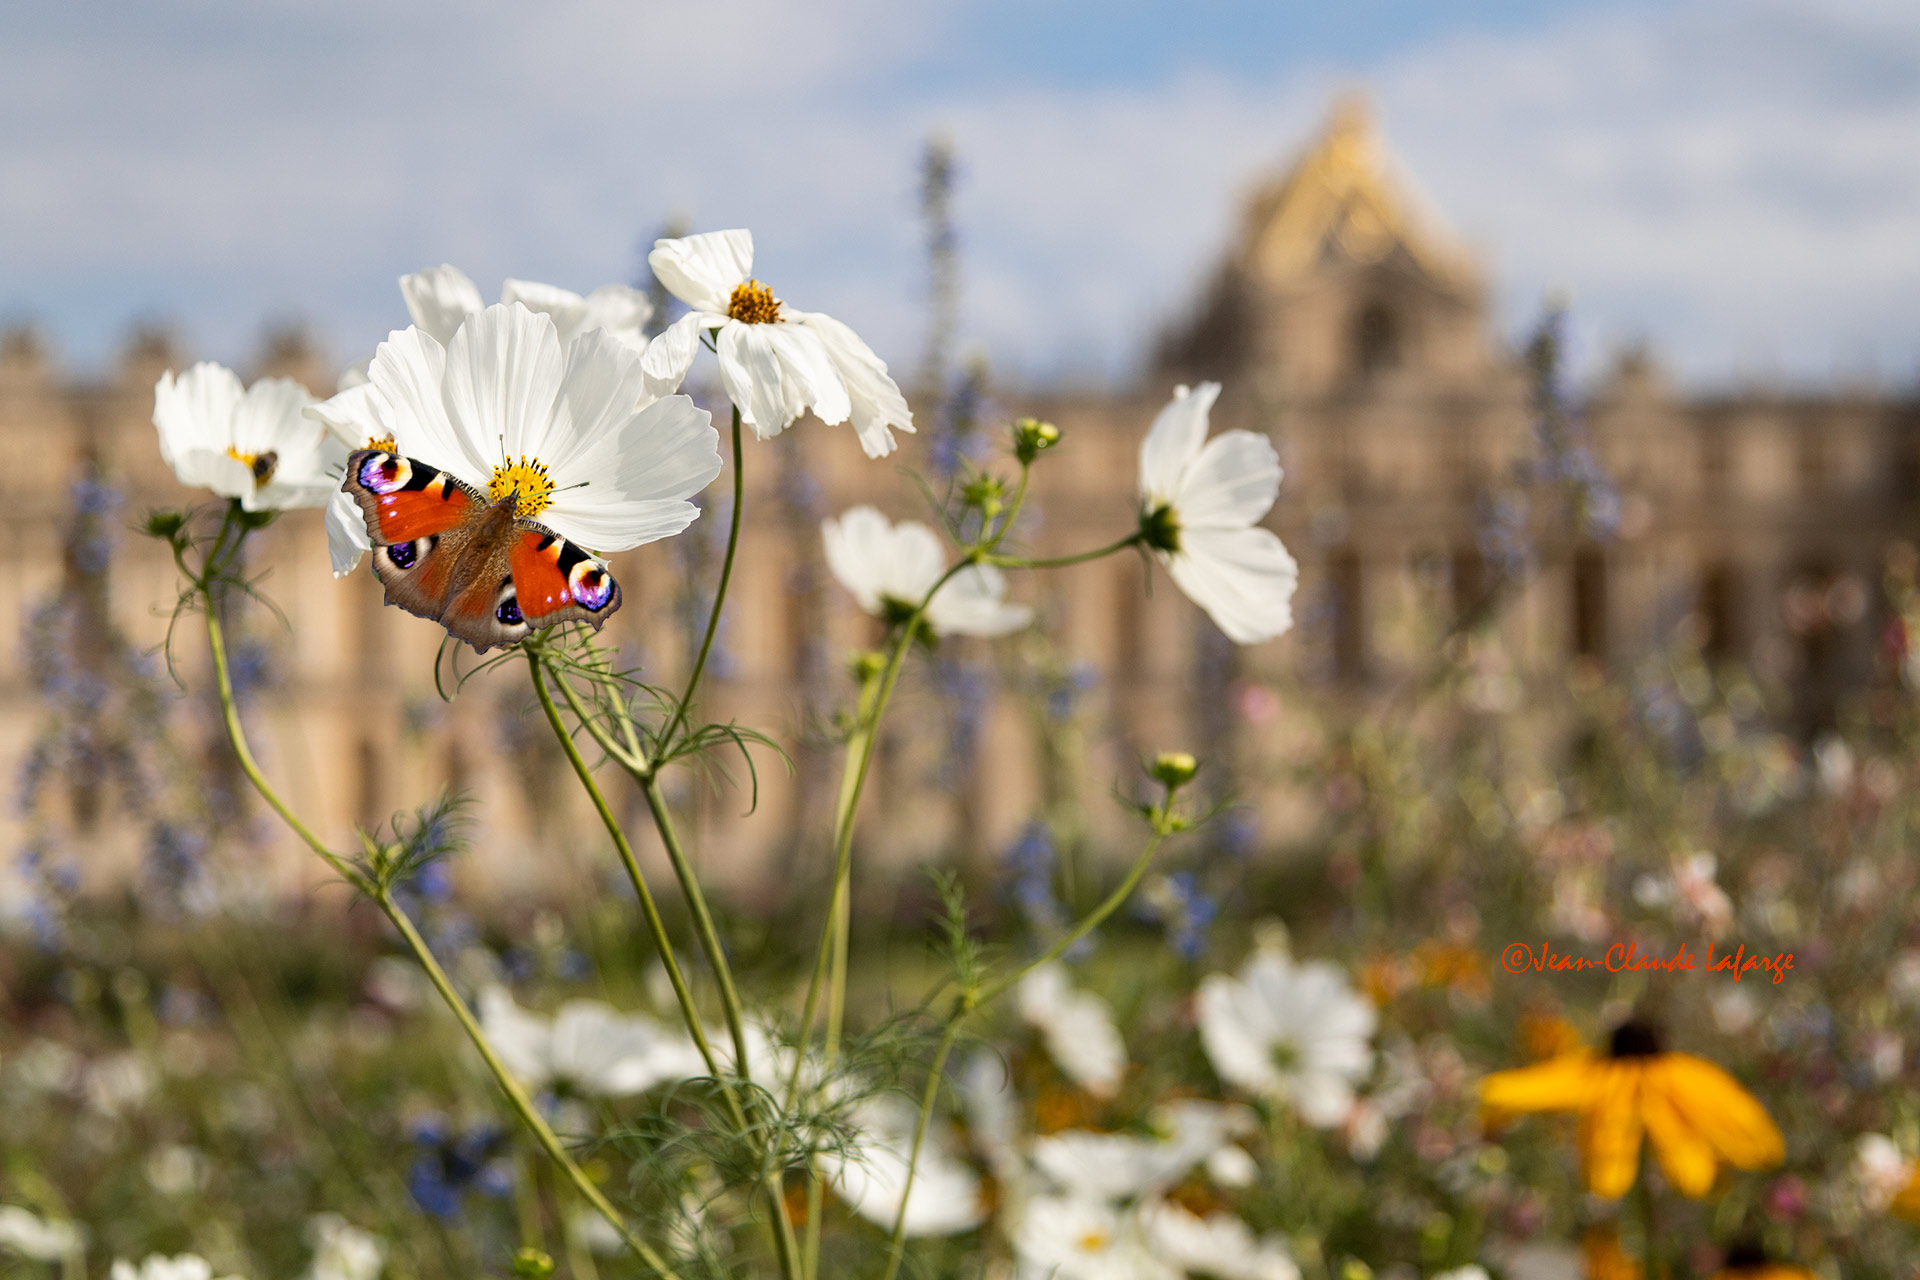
x=555 y=581
x=444 y=552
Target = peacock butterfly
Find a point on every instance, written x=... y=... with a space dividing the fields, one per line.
x=445 y=551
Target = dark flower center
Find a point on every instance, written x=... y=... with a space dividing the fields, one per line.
x=1633 y=1039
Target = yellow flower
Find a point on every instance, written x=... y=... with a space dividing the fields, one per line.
x=1695 y=1114
x=1605 y=1259
x=1750 y=1262
x=1907 y=1203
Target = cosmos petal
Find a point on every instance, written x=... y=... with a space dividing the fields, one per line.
x=504 y=372
x=439 y=299
x=1231 y=484
x=1243 y=578
x=1174 y=441
x=702 y=270
x=751 y=372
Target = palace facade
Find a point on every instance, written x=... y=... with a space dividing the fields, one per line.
x=1344 y=322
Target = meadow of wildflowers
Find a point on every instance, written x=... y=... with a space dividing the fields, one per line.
x=1635 y=1006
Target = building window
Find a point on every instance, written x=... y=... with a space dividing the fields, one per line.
x=1469 y=583
x=1590 y=604
x=1812 y=459
x=1719 y=606
x=1344 y=579
x=1376 y=342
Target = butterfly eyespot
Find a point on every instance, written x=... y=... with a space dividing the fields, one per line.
x=591 y=585
x=385 y=472
x=509 y=612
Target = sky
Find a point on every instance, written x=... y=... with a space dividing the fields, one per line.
x=1734 y=185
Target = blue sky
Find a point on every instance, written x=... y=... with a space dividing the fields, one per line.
x=1736 y=184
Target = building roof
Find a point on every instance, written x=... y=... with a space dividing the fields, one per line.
x=1344 y=193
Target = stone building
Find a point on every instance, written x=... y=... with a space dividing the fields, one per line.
x=1344 y=321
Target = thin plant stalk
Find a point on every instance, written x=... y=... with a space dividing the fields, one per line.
x=969 y=1001
x=786 y=1245
x=403 y=924
x=720 y=592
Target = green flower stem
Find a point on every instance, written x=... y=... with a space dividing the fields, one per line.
x=656 y=926
x=1061 y=562
x=516 y=1096
x=897 y=1244
x=786 y=1246
x=704 y=929
x=968 y=1001
x=720 y=594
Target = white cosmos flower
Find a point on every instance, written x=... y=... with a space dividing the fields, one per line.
x=871 y=1175
x=507 y=407
x=1201 y=503
x=41 y=1239
x=775 y=362
x=1120 y=1166
x=1070 y=1238
x=1293 y=1033
x=1077 y=1028
x=587 y=1046
x=185 y=1266
x=889 y=568
x=342 y=1251
x=252 y=443
x=1218 y=1245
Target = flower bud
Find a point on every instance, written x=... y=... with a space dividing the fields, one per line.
x=867 y=666
x=165 y=525
x=532 y=1264
x=1031 y=436
x=1173 y=769
x=985 y=493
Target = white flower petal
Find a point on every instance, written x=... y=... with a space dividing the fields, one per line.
x=439 y=300
x=523 y=1041
x=973 y=603
x=1174 y=441
x=504 y=373
x=632 y=486
x=807 y=368
x=622 y=311
x=409 y=371
x=1243 y=578
x=851 y=543
x=702 y=270
x=670 y=355
x=567 y=309
x=346 y=533
x=754 y=379
x=194 y=413
x=616 y=526
x=600 y=386
x=1231 y=484
x=877 y=407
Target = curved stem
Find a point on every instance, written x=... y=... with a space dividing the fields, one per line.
x=896 y=1245
x=968 y=1001
x=516 y=1096
x=656 y=926
x=1060 y=562
x=785 y=1244
x=720 y=593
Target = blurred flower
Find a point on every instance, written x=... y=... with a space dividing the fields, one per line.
x=1201 y=504
x=1473 y=1272
x=587 y=1046
x=1689 y=886
x=889 y=568
x=775 y=362
x=1076 y=1027
x=1888 y=1180
x=1605 y=1259
x=118 y=1083
x=185 y=1266
x=1068 y=1238
x=441 y=299
x=1183 y=909
x=1292 y=1033
x=175 y=1170
x=341 y=1251
x=871 y=1175
x=1695 y=1114
x=41 y=1239
x=449 y=1165
x=251 y=443
x=1547 y=1035
x=1218 y=1245
x=507 y=410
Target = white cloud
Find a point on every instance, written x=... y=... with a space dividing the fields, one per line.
x=1737 y=182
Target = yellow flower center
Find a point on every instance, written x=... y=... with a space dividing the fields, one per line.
x=753 y=303
x=527 y=482
x=260 y=464
x=384 y=444
x=1093 y=1241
